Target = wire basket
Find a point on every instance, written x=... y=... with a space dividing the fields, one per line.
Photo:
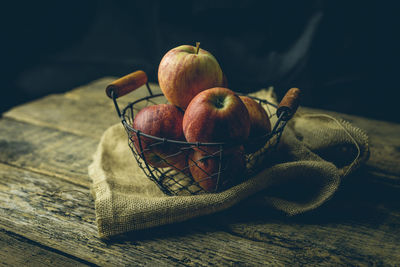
x=189 y=168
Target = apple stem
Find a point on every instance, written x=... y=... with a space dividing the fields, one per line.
x=197 y=47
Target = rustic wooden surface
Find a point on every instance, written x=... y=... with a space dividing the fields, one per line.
x=47 y=213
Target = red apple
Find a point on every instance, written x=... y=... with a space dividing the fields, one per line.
x=181 y=163
x=185 y=71
x=259 y=124
x=164 y=121
x=204 y=168
x=216 y=115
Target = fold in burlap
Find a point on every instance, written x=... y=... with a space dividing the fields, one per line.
x=315 y=153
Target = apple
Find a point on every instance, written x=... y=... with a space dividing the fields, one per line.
x=204 y=168
x=224 y=81
x=216 y=115
x=164 y=121
x=260 y=124
x=180 y=164
x=185 y=71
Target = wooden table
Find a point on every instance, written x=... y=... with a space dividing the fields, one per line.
x=47 y=212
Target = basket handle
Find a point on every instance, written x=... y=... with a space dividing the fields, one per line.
x=289 y=104
x=126 y=84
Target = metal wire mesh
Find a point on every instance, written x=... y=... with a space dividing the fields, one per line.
x=170 y=163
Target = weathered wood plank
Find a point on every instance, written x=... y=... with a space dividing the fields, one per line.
x=59 y=215
x=46 y=150
x=40 y=145
x=359 y=226
x=85 y=111
x=17 y=251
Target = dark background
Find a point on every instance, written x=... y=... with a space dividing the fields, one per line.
x=342 y=54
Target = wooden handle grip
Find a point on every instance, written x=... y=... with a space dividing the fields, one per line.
x=127 y=84
x=289 y=104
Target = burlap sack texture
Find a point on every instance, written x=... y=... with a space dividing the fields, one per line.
x=315 y=153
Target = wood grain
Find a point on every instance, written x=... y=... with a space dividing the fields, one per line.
x=17 y=251
x=359 y=225
x=85 y=111
x=47 y=144
x=46 y=150
x=60 y=215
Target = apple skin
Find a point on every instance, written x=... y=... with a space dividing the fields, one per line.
x=204 y=169
x=225 y=81
x=165 y=121
x=260 y=124
x=180 y=164
x=182 y=74
x=216 y=115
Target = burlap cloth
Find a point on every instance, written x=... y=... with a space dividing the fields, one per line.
x=315 y=153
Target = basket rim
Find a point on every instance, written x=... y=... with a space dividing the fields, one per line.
x=197 y=144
